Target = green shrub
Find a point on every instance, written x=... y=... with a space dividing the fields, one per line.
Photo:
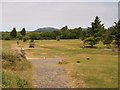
x=91 y=41
x=7 y=38
x=58 y=38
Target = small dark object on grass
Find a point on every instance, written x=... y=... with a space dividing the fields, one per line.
x=78 y=61
x=58 y=38
x=59 y=62
x=24 y=39
x=17 y=42
x=62 y=62
x=31 y=44
x=88 y=58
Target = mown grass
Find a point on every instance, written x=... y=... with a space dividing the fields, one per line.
x=63 y=48
x=101 y=71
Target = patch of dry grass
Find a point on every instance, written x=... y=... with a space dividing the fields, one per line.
x=99 y=72
x=16 y=69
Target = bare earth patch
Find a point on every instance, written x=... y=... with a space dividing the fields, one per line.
x=48 y=74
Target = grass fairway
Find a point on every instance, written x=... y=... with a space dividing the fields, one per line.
x=101 y=71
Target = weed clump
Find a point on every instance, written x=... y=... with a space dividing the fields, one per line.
x=14 y=60
x=62 y=62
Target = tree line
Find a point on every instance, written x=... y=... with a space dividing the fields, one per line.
x=91 y=35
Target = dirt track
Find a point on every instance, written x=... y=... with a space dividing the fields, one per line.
x=48 y=73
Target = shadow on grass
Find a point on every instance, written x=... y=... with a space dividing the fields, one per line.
x=90 y=47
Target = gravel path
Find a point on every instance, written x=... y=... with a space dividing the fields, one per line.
x=49 y=74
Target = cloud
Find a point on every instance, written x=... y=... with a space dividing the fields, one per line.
x=33 y=15
x=60 y=0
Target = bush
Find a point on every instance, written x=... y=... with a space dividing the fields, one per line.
x=14 y=60
x=9 y=55
x=58 y=38
x=13 y=63
x=114 y=43
x=34 y=36
x=91 y=41
x=19 y=36
x=24 y=39
x=7 y=38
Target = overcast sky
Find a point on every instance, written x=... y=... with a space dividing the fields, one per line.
x=33 y=15
x=60 y=0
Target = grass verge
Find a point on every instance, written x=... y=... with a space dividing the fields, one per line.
x=16 y=70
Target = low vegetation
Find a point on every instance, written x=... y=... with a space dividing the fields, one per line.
x=91 y=35
x=14 y=60
x=101 y=71
x=89 y=67
x=16 y=69
x=12 y=80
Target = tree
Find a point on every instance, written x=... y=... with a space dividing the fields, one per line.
x=34 y=36
x=19 y=36
x=23 y=32
x=91 y=41
x=13 y=33
x=97 y=28
x=108 y=36
x=6 y=36
x=84 y=34
x=117 y=33
x=64 y=29
x=56 y=33
x=94 y=33
x=76 y=33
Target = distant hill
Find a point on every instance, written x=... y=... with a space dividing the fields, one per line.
x=46 y=29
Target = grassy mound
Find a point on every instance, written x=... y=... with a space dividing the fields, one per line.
x=15 y=67
x=14 y=60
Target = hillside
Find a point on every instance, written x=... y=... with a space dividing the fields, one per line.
x=46 y=29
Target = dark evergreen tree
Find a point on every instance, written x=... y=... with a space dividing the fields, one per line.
x=94 y=33
x=108 y=37
x=97 y=28
x=13 y=33
x=65 y=28
x=23 y=32
x=117 y=33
